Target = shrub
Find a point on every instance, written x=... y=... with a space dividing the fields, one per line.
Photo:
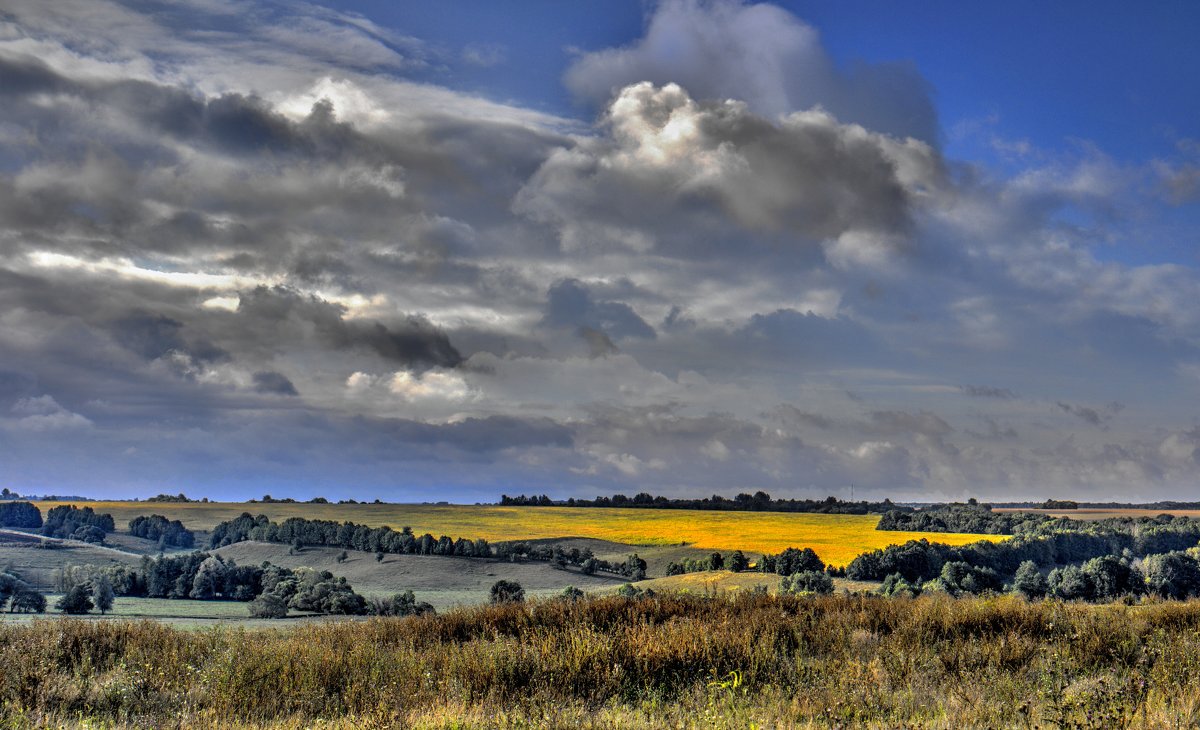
x=507 y=591
x=20 y=514
x=268 y=605
x=809 y=582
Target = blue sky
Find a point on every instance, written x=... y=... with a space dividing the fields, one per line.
x=424 y=251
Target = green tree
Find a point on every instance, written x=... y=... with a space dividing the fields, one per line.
x=76 y=601
x=268 y=605
x=716 y=561
x=738 y=562
x=102 y=594
x=1029 y=581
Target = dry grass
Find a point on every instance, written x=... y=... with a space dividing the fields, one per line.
x=673 y=661
x=836 y=538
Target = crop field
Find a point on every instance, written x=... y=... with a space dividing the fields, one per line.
x=836 y=538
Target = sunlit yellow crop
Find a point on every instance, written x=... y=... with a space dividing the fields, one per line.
x=836 y=538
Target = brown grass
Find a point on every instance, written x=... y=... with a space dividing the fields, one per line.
x=673 y=661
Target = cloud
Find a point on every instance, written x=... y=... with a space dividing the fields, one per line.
x=1094 y=416
x=43 y=413
x=764 y=56
x=267 y=381
x=806 y=175
x=987 y=391
x=570 y=304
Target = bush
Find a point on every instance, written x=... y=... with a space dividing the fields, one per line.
x=170 y=533
x=507 y=591
x=809 y=582
x=268 y=605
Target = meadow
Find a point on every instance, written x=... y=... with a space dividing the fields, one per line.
x=673 y=661
x=836 y=538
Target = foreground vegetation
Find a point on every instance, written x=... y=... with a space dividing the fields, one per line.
x=664 y=661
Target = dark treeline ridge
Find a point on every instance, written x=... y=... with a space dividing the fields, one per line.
x=744 y=502
x=168 y=533
x=1097 y=560
x=300 y=532
x=971 y=518
x=20 y=514
x=271 y=590
x=69 y=521
x=1060 y=504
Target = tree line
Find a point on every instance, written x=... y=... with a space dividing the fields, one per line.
x=971 y=518
x=1082 y=560
x=758 y=502
x=300 y=533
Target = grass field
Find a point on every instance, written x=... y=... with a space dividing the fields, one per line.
x=675 y=661
x=836 y=538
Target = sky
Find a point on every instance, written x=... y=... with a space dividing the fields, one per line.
x=371 y=249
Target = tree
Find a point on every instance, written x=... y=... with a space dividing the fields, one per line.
x=75 y=601
x=268 y=605
x=1172 y=575
x=1029 y=581
x=343 y=556
x=1070 y=583
x=102 y=594
x=738 y=562
x=635 y=567
x=716 y=561
x=794 y=560
x=674 y=568
x=507 y=591
x=379 y=556
x=27 y=600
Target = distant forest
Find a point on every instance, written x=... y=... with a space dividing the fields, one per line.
x=757 y=502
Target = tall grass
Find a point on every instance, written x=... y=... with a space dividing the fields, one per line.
x=670 y=661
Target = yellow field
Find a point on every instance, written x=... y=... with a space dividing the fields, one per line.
x=836 y=538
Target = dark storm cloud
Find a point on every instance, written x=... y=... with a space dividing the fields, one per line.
x=987 y=391
x=267 y=381
x=1095 y=416
x=598 y=343
x=410 y=341
x=155 y=336
x=570 y=304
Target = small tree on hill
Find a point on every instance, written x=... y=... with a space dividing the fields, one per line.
x=343 y=556
x=716 y=561
x=379 y=556
x=27 y=600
